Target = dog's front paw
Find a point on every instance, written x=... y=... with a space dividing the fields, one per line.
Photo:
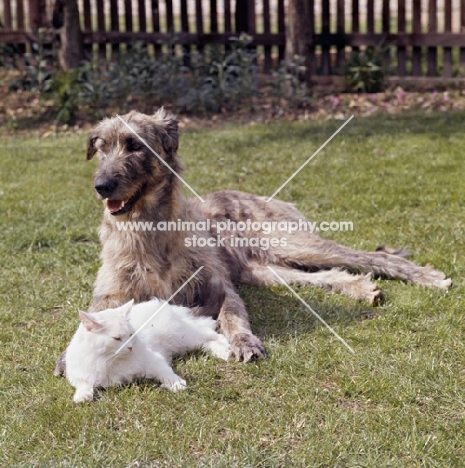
x=246 y=347
x=177 y=386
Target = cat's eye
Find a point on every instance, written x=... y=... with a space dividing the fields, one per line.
x=117 y=338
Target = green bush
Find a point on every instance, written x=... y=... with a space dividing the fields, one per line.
x=289 y=82
x=365 y=72
x=194 y=82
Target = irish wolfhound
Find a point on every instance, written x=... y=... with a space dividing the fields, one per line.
x=139 y=264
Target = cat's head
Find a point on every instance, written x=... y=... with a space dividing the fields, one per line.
x=110 y=329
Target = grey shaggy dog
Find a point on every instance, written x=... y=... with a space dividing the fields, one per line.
x=136 y=186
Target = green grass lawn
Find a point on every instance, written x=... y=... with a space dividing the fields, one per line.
x=399 y=401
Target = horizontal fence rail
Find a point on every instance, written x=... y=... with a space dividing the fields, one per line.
x=419 y=38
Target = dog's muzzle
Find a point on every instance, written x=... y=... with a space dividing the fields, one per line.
x=105 y=186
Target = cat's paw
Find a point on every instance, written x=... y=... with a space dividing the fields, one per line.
x=219 y=347
x=83 y=394
x=177 y=386
x=224 y=353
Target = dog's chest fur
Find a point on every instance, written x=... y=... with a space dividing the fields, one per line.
x=145 y=264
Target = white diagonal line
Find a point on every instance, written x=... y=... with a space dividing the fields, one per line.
x=161 y=159
x=311 y=157
x=312 y=311
x=156 y=312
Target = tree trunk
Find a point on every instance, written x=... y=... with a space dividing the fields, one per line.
x=299 y=33
x=66 y=21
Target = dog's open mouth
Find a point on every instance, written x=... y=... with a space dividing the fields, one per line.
x=119 y=207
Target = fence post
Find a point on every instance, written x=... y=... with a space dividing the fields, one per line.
x=242 y=16
x=37 y=14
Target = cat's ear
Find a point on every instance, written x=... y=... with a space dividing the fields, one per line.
x=126 y=308
x=90 y=324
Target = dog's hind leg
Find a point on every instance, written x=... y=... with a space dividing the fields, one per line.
x=312 y=251
x=359 y=287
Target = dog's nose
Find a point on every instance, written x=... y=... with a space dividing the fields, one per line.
x=105 y=186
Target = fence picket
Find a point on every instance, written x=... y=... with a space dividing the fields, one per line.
x=447 y=60
x=401 y=50
x=7 y=14
x=340 y=29
x=281 y=27
x=114 y=25
x=156 y=24
x=311 y=59
x=416 y=54
x=267 y=64
x=325 y=25
x=462 y=31
x=355 y=20
x=432 y=28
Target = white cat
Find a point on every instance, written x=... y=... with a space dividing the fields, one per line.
x=107 y=350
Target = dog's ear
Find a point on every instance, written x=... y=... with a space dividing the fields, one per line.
x=169 y=138
x=91 y=149
x=94 y=135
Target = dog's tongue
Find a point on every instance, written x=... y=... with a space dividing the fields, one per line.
x=115 y=205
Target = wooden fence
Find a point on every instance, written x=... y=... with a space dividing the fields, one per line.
x=422 y=37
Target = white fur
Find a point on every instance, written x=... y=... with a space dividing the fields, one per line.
x=92 y=360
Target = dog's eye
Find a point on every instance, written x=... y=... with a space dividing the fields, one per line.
x=133 y=145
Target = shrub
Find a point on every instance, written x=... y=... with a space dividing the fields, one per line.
x=289 y=82
x=195 y=82
x=365 y=72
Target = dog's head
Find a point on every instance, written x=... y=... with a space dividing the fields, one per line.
x=137 y=156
